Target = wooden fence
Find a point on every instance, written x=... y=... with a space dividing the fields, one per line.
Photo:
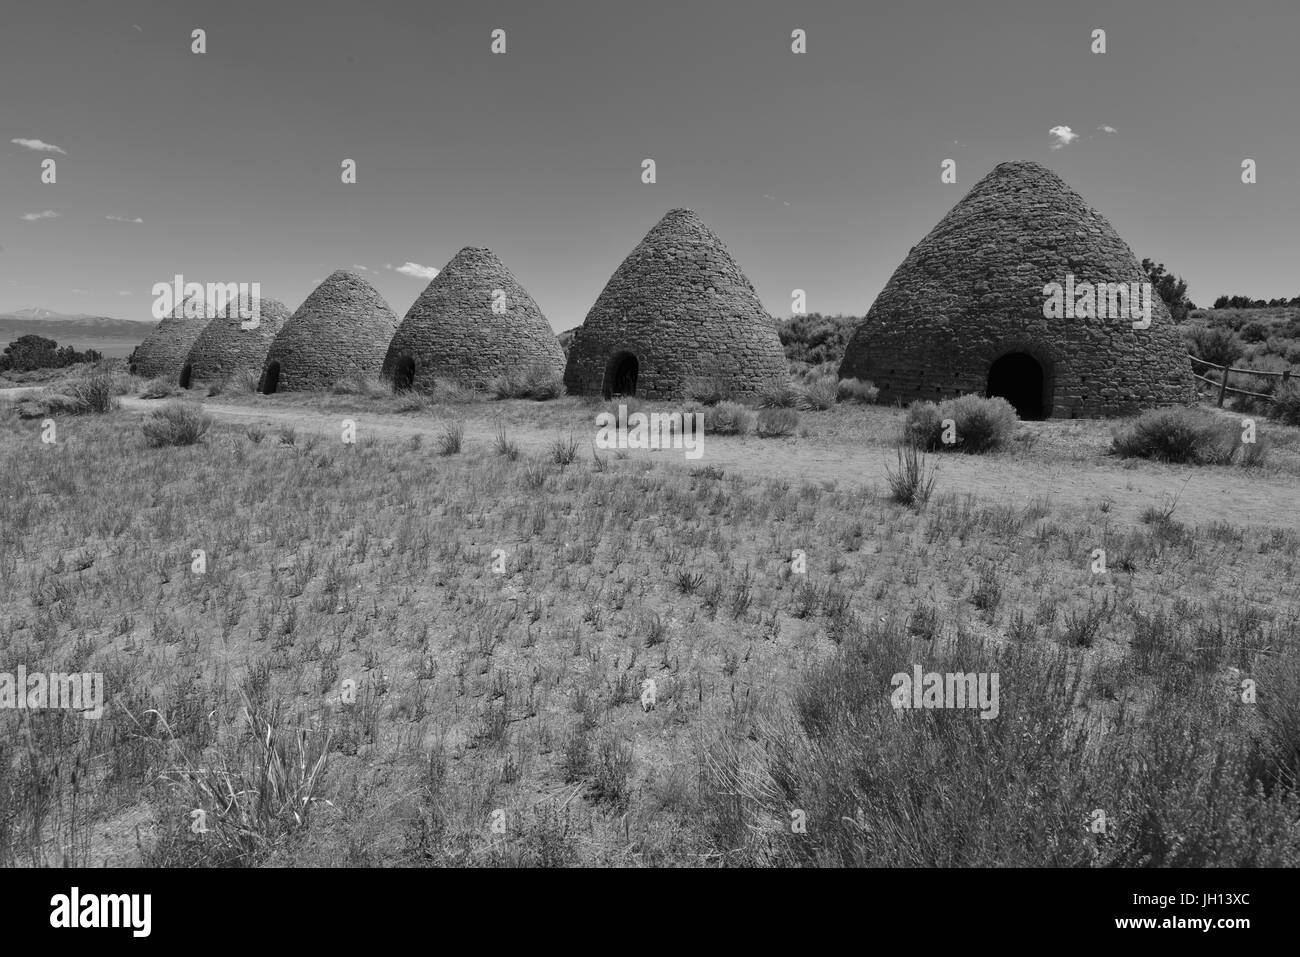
x=1226 y=371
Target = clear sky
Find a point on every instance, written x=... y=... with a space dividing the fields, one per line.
x=819 y=170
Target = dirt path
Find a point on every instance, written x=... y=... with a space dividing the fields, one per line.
x=1205 y=494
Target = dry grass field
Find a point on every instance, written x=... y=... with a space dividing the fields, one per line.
x=497 y=715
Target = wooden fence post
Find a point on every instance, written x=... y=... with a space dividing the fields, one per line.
x=1223 y=386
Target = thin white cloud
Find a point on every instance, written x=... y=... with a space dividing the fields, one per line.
x=415 y=270
x=1107 y=129
x=124 y=219
x=39 y=145
x=124 y=292
x=1064 y=136
x=45 y=214
x=362 y=268
x=136 y=26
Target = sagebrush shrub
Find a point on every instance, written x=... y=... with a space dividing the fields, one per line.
x=452 y=392
x=544 y=387
x=773 y=423
x=1179 y=436
x=1254 y=331
x=503 y=387
x=978 y=424
x=242 y=382
x=1198 y=782
x=1286 y=407
x=411 y=401
x=124 y=383
x=857 y=390
x=707 y=390
x=45 y=403
x=982 y=424
x=159 y=389
x=728 y=418
x=95 y=393
x=1254 y=454
x=1214 y=344
x=176 y=423
x=785 y=396
x=819 y=395
x=922 y=426
x=539 y=384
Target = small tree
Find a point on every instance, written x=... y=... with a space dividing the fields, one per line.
x=32 y=352
x=36 y=352
x=1171 y=289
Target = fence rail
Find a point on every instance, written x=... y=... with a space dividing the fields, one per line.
x=1227 y=371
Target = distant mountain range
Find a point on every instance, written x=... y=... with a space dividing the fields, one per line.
x=113 y=337
x=49 y=315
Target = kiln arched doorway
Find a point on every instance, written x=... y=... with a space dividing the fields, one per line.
x=620 y=375
x=404 y=374
x=1021 y=379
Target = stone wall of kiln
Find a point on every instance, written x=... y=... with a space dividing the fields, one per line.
x=683 y=307
x=341 y=331
x=451 y=332
x=972 y=291
x=225 y=347
x=163 y=352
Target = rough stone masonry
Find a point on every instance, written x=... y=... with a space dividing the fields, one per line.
x=681 y=306
x=972 y=291
x=225 y=347
x=472 y=323
x=341 y=331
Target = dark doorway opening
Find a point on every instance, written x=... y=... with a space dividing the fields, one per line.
x=1018 y=378
x=185 y=376
x=404 y=374
x=270 y=379
x=620 y=375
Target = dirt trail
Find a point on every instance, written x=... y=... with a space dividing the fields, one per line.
x=1205 y=494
